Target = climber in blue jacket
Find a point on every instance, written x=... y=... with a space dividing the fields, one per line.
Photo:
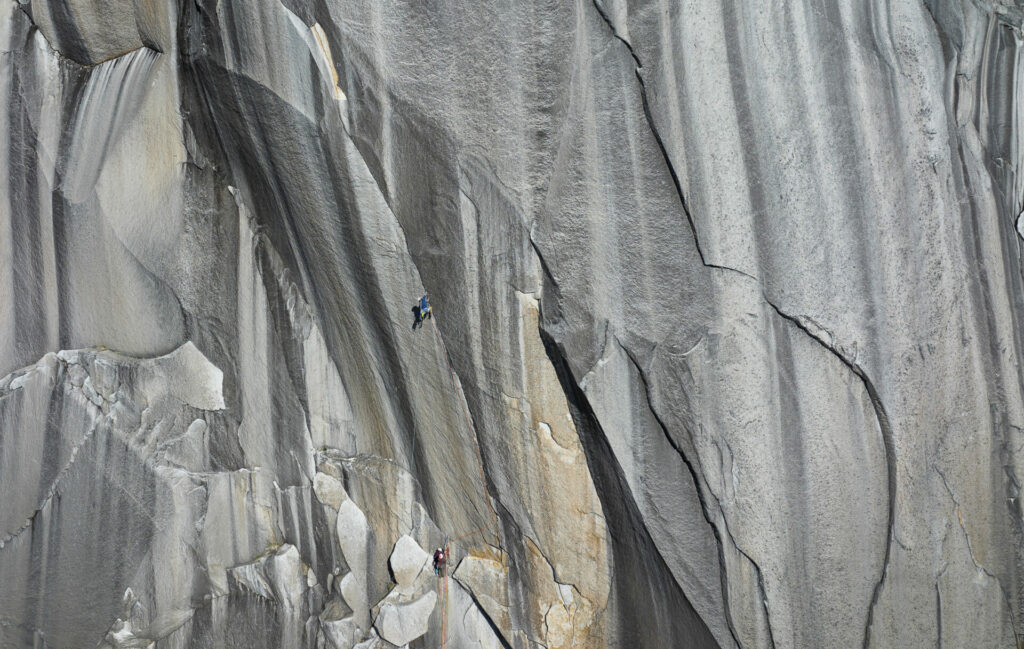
x=423 y=310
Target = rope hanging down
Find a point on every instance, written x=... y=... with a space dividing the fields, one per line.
x=476 y=444
x=443 y=588
x=442 y=577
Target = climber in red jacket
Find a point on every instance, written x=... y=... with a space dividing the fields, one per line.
x=440 y=559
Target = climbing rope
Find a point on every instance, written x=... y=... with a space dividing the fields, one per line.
x=442 y=589
x=441 y=576
x=444 y=608
x=476 y=444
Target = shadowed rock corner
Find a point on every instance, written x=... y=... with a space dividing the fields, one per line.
x=718 y=345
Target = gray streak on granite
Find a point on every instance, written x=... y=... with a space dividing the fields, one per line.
x=726 y=347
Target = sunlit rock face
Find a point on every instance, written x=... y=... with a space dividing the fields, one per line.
x=725 y=349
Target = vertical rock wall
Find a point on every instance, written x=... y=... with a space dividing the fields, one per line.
x=725 y=350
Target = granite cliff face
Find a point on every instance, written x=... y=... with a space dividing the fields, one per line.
x=727 y=347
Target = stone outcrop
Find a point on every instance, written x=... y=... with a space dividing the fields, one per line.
x=408 y=561
x=402 y=622
x=725 y=349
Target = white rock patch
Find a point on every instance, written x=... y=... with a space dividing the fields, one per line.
x=407 y=561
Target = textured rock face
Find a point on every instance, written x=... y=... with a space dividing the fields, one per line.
x=727 y=336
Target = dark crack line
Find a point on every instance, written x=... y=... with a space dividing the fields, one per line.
x=54 y=488
x=970 y=550
x=677 y=184
x=543 y=263
x=705 y=509
x=876 y=402
x=483 y=612
x=64 y=57
x=595 y=442
x=887 y=441
x=649 y=117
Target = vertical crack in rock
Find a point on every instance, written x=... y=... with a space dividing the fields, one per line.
x=481 y=609
x=579 y=404
x=653 y=604
x=650 y=605
x=887 y=441
x=649 y=117
x=876 y=402
x=490 y=491
x=705 y=510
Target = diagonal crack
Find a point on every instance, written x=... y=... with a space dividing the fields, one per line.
x=970 y=549
x=888 y=442
x=630 y=535
x=483 y=613
x=649 y=117
x=876 y=402
x=705 y=509
x=55 y=484
x=26 y=10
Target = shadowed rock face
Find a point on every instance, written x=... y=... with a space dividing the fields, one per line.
x=726 y=339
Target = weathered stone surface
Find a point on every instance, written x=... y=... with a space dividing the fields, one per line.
x=726 y=346
x=402 y=622
x=468 y=625
x=485 y=579
x=280 y=577
x=408 y=560
x=88 y=31
x=328 y=490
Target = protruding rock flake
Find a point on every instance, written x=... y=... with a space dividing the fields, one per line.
x=408 y=561
x=401 y=622
x=329 y=491
x=725 y=344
